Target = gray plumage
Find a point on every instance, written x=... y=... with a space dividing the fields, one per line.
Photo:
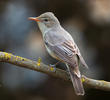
x=61 y=46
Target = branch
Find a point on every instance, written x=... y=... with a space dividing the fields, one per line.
x=41 y=67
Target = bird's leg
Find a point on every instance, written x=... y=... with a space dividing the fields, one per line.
x=53 y=66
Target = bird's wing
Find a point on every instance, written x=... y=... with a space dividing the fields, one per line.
x=75 y=50
x=82 y=60
x=66 y=50
x=63 y=52
x=63 y=46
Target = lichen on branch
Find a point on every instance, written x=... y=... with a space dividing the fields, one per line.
x=41 y=67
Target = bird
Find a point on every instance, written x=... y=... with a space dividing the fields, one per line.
x=61 y=46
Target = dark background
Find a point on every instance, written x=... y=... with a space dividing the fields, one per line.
x=88 y=21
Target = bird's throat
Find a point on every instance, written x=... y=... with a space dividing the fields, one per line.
x=43 y=28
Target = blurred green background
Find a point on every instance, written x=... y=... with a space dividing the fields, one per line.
x=88 y=21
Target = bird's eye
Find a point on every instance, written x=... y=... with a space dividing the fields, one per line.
x=46 y=20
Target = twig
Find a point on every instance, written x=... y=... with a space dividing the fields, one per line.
x=41 y=67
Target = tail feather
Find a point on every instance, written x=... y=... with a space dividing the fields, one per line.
x=77 y=85
x=76 y=80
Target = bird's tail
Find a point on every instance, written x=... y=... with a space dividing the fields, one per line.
x=76 y=80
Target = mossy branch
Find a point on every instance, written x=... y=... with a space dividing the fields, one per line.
x=41 y=67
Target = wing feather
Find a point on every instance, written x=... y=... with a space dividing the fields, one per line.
x=66 y=50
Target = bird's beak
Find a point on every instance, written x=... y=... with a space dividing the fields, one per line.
x=34 y=18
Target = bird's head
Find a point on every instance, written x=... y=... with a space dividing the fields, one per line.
x=46 y=21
